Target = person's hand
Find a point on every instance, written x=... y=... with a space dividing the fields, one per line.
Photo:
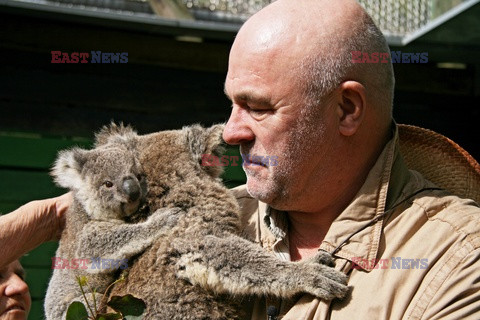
x=52 y=209
x=62 y=203
x=31 y=225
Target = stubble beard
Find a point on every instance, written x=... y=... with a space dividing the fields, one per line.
x=280 y=188
x=266 y=189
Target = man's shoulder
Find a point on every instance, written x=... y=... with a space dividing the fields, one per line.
x=462 y=215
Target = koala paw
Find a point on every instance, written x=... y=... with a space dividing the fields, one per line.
x=166 y=217
x=325 y=258
x=322 y=280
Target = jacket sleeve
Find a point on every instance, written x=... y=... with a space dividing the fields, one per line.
x=458 y=296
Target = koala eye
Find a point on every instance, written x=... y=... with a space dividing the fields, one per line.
x=108 y=184
x=139 y=177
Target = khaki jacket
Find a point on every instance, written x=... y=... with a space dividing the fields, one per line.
x=420 y=260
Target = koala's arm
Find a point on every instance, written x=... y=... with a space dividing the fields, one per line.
x=109 y=240
x=237 y=266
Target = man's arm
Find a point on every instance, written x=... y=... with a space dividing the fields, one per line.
x=31 y=225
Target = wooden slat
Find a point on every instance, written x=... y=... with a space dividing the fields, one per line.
x=6 y=207
x=33 y=151
x=37 y=280
x=22 y=186
x=36 y=312
x=40 y=257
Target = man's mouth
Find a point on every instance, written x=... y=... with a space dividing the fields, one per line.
x=14 y=307
x=256 y=161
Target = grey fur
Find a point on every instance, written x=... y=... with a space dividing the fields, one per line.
x=109 y=187
x=201 y=268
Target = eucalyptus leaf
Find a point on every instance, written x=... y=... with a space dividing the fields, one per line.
x=77 y=311
x=132 y=308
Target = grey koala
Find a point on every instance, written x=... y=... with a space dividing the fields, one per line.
x=202 y=268
x=109 y=188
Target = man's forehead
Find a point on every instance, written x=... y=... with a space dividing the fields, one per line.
x=262 y=35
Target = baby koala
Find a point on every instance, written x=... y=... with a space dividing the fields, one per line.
x=109 y=189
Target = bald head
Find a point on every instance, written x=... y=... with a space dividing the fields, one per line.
x=304 y=20
x=298 y=27
x=315 y=38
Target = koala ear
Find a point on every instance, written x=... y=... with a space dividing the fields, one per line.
x=114 y=133
x=67 y=170
x=206 y=141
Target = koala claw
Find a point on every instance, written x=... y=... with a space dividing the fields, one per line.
x=325 y=258
x=330 y=285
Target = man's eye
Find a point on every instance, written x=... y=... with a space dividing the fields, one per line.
x=259 y=113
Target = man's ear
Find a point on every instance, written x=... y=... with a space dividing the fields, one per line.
x=351 y=107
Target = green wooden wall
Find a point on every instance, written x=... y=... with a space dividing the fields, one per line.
x=25 y=160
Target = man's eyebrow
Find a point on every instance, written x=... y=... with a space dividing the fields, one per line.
x=248 y=96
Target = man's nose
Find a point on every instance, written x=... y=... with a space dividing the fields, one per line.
x=237 y=130
x=15 y=286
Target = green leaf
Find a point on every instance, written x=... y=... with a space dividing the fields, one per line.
x=132 y=308
x=110 y=316
x=77 y=311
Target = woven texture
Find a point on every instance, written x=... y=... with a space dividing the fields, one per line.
x=441 y=161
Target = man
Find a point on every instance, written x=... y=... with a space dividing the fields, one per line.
x=15 y=299
x=410 y=249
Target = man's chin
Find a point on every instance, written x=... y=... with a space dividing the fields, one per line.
x=259 y=191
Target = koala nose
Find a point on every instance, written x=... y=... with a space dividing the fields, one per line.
x=131 y=188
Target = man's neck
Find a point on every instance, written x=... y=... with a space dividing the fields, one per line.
x=306 y=232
